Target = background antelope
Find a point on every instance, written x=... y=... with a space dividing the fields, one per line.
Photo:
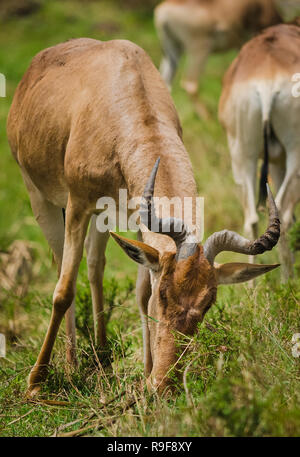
x=201 y=27
x=87 y=119
x=260 y=113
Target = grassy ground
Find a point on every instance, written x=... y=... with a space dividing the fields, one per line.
x=241 y=378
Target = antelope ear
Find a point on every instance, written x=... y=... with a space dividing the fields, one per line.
x=232 y=273
x=139 y=252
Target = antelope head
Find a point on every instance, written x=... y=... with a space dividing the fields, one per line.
x=184 y=283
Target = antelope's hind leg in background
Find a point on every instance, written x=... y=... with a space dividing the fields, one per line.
x=95 y=245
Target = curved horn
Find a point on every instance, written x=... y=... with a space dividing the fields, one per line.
x=231 y=241
x=173 y=227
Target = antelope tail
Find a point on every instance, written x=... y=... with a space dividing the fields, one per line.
x=267 y=93
x=265 y=166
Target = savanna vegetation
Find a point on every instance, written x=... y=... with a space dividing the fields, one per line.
x=240 y=377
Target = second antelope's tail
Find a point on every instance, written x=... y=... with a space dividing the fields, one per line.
x=267 y=93
x=265 y=166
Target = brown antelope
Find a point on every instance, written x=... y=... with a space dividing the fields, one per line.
x=260 y=113
x=202 y=27
x=87 y=119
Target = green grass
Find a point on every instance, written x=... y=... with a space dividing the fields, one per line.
x=240 y=376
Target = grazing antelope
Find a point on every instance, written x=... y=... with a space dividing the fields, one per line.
x=202 y=27
x=87 y=119
x=260 y=113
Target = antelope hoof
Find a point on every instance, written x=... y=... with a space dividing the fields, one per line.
x=36 y=377
x=162 y=388
x=190 y=87
x=71 y=358
x=33 y=392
